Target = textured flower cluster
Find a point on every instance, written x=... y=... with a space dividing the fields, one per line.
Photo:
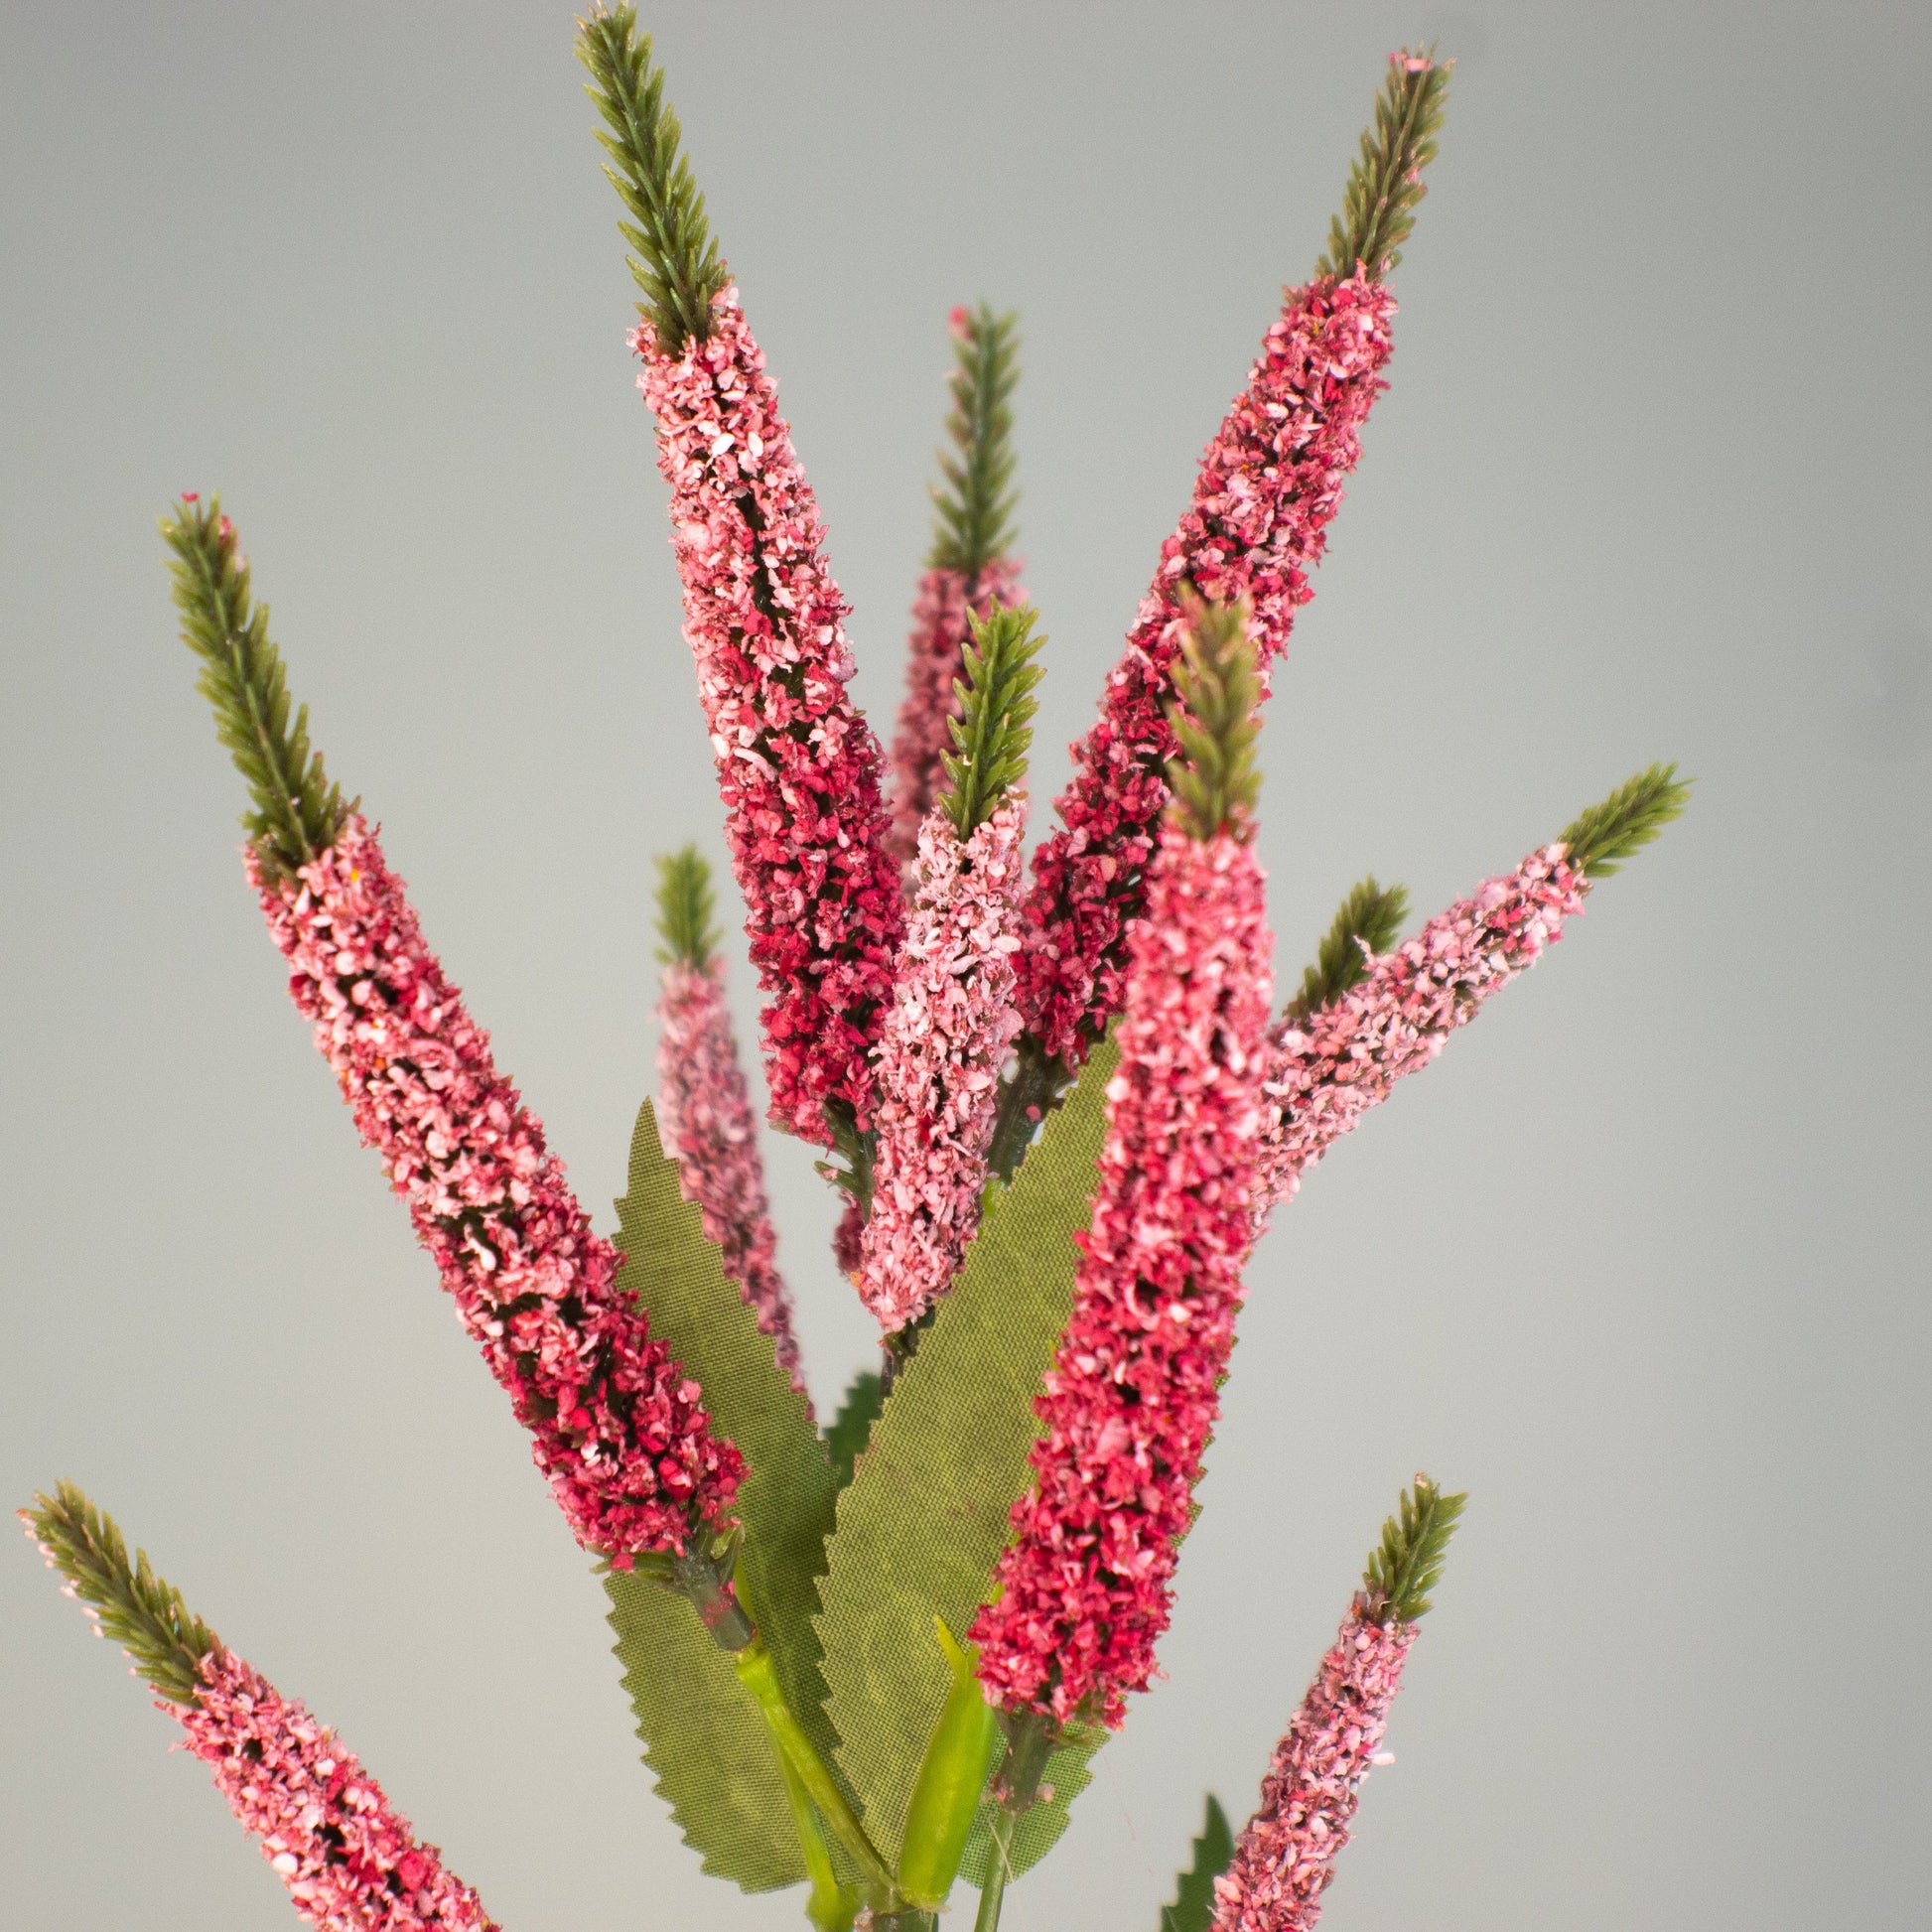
x=938 y=1060
x=618 y=1427
x=1285 y=1857
x=1133 y=1393
x=706 y=1108
x=1325 y=1075
x=351 y=1864
x=1266 y=489
x=797 y=765
x=934 y=658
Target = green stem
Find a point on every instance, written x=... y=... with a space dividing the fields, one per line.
x=831 y=1907
x=1031 y=1740
x=998 y=1860
x=1037 y=1082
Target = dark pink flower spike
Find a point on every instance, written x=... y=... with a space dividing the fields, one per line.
x=1133 y=1393
x=798 y=768
x=934 y=661
x=1286 y=1858
x=1267 y=487
x=348 y=1860
x=618 y=1427
x=710 y=1130
x=938 y=1060
x=1325 y=1075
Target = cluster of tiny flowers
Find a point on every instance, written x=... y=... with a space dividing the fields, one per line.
x=1133 y=1394
x=797 y=765
x=1267 y=487
x=1287 y=1855
x=618 y=1427
x=938 y=1060
x=934 y=661
x=348 y=1860
x=707 y=1114
x=1325 y=1074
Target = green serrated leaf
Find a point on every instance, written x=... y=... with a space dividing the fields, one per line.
x=926 y=1513
x=1193 y=1907
x=846 y=1433
x=703 y=1736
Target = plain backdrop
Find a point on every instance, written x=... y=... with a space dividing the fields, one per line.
x=1641 y=1263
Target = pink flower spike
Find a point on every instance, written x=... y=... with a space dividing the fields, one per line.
x=1267 y=487
x=1324 y=1076
x=938 y=1060
x=797 y=767
x=1286 y=1858
x=706 y=1108
x=1133 y=1393
x=617 y=1426
x=349 y=1861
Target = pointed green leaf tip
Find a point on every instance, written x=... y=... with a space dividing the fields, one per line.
x=1601 y=839
x=976 y=506
x=1193 y=1907
x=1409 y=1563
x=1367 y=922
x=1378 y=208
x=298 y=812
x=676 y=265
x=1215 y=779
x=131 y=1604
x=685 y=905
x=993 y=733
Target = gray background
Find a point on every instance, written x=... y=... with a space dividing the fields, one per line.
x=1641 y=1263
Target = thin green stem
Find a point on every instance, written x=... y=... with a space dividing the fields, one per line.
x=999 y=1860
x=831 y=1907
x=1037 y=1083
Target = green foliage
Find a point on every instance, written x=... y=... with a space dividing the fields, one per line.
x=676 y=265
x=1378 y=208
x=1215 y=779
x=1042 y=1825
x=298 y=812
x=846 y=1433
x=975 y=507
x=141 y=1611
x=994 y=731
x=1406 y=1566
x=926 y=1513
x=1601 y=839
x=1370 y=916
x=703 y=1736
x=685 y=908
x=1193 y=1907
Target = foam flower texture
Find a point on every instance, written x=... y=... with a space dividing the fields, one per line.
x=1267 y=487
x=618 y=1427
x=705 y=1107
x=797 y=765
x=938 y=1060
x=348 y=1860
x=1133 y=1395
x=1326 y=1073
x=1286 y=1858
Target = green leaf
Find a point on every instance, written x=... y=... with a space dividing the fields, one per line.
x=703 y=1736
x=1194 y=1905
x=847 y=1435
x=926 y=1513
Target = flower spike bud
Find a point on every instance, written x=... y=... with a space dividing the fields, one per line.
x=679 y=273
x=1598 y=842
x=1366 y=925
x=969 y=572
x=705 y=1103
x=1214 y=778
x=1134 y=1391
x=1286 y=1858
x=1378 y=210
x=993 y=733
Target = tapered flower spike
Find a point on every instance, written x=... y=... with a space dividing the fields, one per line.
x=1083 y=1591
x=1267 y=487
x=797 y=765
x=617 y=1426
x=1286 y=1858
x=968 y=573
x=953 y=1015
x=350 y=1860
x=1328 y=1068
x=705 y=1105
